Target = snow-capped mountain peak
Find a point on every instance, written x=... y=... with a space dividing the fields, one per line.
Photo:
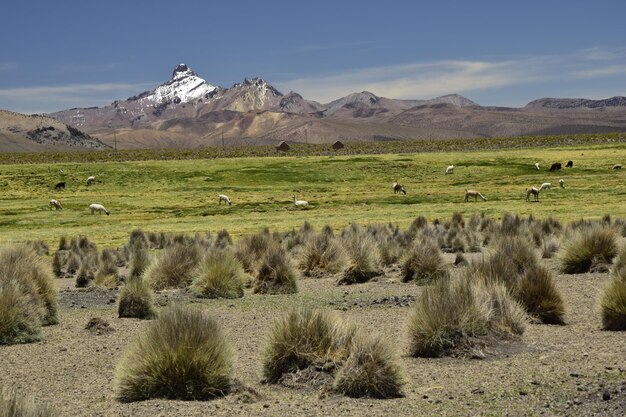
x=183 y=87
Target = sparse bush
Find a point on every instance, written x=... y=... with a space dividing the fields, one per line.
x=536 y=291
x=424 y=263
x=452 y=310
x=372 y=369
x=586 y=247
x=58 y=260
x=63 y=244
x=619 y=263
x=322 y=253
x=223 y=239
x=136 y=300
x=13 y=404
x=219 y=275
x=182 y=355
x=39 y=247
x=364 y=259
x=85 y=276
x=73 y=263
x=305 y=337
x=518 y=249
x=277 y=274
x=613 y=303
x=139 y=258
x=251 y=249
x=173 y=267
x=138 y=237
x=27 y=293
x=549 y=247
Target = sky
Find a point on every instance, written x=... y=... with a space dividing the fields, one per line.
x=60 y=55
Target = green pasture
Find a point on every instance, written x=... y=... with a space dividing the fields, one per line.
x=181 y=195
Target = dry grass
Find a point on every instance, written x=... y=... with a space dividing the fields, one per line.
x=590 y=245
x=14 y=404
x=538 y=294
x=277 y=273
x=304 y=337
x=424 y=263
x=173 y=267
x=251 y=249
x=136 y=300
x=219 y=275
x=364 y=258
x=182 y=355
x=139 y=258
x=322 y=253
x=373 y=369
x=613 y=302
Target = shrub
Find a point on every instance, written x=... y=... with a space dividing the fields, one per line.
x=587 y=246
x=276 y=275
x=549 y=247
x=372 y=369
x=219 y=275
x=173 y=267
x=364 y=259
x=536 y=291
x=223 y=239
x=136 y=300
x=20 y=314
x=73 y=264
x=182 y=355
x=251 y=249
x=322 y=253
x=613 y=302
x=58 y=260
x=304 y=337
x=63 y=245
x=13 y=404
x=619 y=263
x=138 y=237
x=518 y=249
x=424 y=263
x=453 y=310
x=139 y=258
x=85 y=276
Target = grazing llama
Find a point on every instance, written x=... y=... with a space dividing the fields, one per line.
x=56 y=204
x=570 y=164
x=224 y=198
x=473 y=193
x=537 y=166
x=556 y=166
x=617 y=166
x=397 y=188
x=91 y=180
x=534 y=191
x=545 y=186
x=450 y=169
x=99 y=208
x=59 y=185
x=300 y=203
x=562 y=183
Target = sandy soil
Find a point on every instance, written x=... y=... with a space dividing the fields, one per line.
x=576 y=369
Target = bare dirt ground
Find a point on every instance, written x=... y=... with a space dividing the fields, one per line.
x=572 y=370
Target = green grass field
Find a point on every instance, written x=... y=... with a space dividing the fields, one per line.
x=181 y=195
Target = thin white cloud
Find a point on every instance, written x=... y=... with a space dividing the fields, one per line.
x=430 y=79
x=7 y=66
x=46 y=99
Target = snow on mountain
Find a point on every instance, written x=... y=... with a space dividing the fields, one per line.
x=183 y=87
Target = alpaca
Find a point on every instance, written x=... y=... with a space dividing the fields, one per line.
x=300 y=203
x=450 y=169
x=59 y=185
x=397 y=188
x=99 y=208
x=545 y=186
x=555 y=166
x=91 y=180
x=562 y=183
x=56 y=204
x=617 y=166
x=224 y=198
x=537 y=166
x=475 y=194
x=570 y=164
x=534 y=191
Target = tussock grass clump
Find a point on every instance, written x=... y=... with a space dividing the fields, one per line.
x=537 y=292
x=63 y=243
x=251 y=249
x=588 y=246
x=58 y=260
x=451 y=311
x=372 y=369
x=549 y=247
x=182 y=355
x=28 y=296
x=322 y=253
x=277 y=274
x=518 y=249
x=613 y=304
x=424 y=263
x=619 y=263
x=136 y=300
x=219 y=275
x=304 y=337
x=14 y=404
x=173 y=267
x=85 y=276
x=364 y=259
x=223 y=239
x=139 y=258
x=138 y=237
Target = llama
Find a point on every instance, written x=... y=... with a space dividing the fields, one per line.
x=397 y=188
x=617 y=166
x=570 y=164
x=475 y=194
x=56 y=204
x=91 y=180
x=300 y=203
x=556 y=166
x=545 y=186
x=59 y=185
x=450 y=169
x=534 y=191
x=99 y=208
x=561 y=183
x=224 y=198
x=537 y=166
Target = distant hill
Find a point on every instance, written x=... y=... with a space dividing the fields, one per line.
x=576 y=103
x=31 y=133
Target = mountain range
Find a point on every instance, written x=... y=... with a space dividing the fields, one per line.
x=188 y=111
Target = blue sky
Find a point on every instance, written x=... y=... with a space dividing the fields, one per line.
x=58 y=55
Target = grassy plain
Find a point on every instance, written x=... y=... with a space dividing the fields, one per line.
x=181 y=195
